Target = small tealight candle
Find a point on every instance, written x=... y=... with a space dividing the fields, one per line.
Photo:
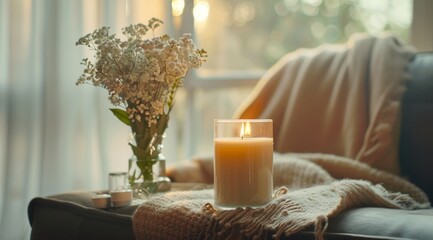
x=243 y=159
x=101 y=201
x=121 y=198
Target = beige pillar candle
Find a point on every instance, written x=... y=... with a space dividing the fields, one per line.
x=243 y=151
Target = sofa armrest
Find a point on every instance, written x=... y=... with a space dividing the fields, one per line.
x=416 y=135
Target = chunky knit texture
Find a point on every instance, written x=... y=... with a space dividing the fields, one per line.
x=308 y=195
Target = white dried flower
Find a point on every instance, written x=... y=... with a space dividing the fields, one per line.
x=140 y=74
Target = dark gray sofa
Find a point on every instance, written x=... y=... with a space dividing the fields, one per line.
x=70 y=215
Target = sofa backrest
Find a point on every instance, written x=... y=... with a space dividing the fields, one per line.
x=416 y=136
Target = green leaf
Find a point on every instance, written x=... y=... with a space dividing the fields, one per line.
x=122 y=115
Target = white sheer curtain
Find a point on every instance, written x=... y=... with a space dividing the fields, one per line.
x=54 y=136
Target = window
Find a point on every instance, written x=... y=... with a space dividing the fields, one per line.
x=256 y=33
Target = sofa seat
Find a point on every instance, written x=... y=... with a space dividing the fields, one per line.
x=71 y=216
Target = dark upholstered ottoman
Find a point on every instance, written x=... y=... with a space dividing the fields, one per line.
x=71 y=216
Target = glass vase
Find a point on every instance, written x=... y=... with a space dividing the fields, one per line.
x=146 y=174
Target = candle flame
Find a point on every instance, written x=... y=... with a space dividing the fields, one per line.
x=245 y=130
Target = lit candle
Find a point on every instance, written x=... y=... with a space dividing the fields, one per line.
x=243 y=163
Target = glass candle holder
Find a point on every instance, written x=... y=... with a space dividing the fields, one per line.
x=243 y=160
x=117 y=181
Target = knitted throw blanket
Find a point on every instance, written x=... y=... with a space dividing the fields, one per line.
x=340 y=99
x=309 y=195
x=343 y=101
